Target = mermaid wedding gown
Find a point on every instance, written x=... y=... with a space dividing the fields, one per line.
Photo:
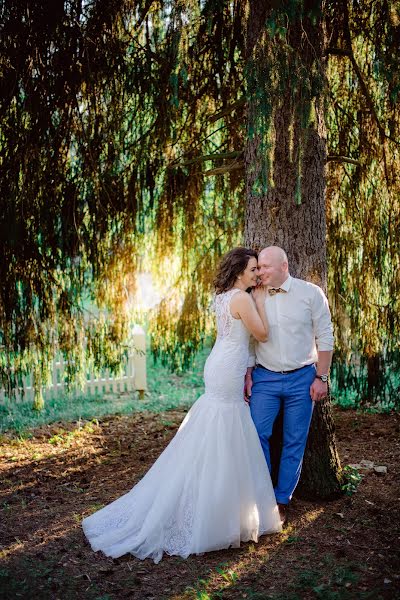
x=210 y=488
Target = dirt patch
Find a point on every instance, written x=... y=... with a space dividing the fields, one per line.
x=339 y=550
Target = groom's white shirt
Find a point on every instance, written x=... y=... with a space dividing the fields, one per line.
x=299 y=324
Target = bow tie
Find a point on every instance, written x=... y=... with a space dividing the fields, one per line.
x=273 y=291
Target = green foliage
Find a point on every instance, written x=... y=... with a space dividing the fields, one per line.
x=166 y=391
x=363 y=206
x=353 y=386
x=199 y=591
x=331 y=583
x=123 y=129
x=107 y=110
x=227 y=575
x=352 y=479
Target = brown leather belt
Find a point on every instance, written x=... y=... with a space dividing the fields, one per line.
x=281 y=372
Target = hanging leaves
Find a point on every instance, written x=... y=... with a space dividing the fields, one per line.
x=123 y=127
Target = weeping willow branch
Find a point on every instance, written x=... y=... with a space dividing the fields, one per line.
x=228 y=110
x=233 y=166
x=221 y=156
x=110 y=112
x=343 y=159
x=363 y=207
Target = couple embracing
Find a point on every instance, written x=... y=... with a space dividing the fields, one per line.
x=211 y=487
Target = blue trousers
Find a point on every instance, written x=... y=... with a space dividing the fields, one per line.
x=291 y=391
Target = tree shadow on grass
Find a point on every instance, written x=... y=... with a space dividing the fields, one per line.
x=43 y=550
x=282 y=566
x=335 y=551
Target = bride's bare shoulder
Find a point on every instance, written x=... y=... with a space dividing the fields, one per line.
x=241 y=298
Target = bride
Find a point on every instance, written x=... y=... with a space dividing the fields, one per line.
x=210 y=488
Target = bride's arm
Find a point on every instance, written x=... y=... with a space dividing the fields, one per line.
x=259 y=295
x=244 y=307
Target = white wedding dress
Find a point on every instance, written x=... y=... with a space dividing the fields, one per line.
x=210 y=488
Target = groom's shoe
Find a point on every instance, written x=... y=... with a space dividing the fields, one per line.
x=283 y=513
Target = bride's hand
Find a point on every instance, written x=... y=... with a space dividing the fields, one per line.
x=259 y=293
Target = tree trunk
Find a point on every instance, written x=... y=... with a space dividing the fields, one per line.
x=375 y=378
x=289 y=211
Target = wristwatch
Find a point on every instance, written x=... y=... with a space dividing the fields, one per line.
x=323 y=378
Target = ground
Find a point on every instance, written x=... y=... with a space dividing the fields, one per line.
x=52 y=477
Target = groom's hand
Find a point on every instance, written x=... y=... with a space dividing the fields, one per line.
x=318 y=390
x=248 y=384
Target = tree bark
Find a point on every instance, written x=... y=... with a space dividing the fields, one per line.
x=375 y=373
x=291 y=213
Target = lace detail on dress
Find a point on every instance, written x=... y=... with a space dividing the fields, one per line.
x=223 y=313
x=114 y=516
x=178 y=530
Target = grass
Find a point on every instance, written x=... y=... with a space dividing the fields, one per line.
x=165 y=391
x=329 y=580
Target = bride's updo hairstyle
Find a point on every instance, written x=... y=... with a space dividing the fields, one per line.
x=232 y=264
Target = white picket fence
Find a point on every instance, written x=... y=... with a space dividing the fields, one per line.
x=133 y=377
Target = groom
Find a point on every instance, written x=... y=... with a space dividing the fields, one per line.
x=291 y=368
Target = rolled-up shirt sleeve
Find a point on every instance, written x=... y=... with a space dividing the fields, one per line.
x=252 y=352
x=322 y=322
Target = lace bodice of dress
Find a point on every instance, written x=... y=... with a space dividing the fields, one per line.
x=227 y=325
x=227 y=363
